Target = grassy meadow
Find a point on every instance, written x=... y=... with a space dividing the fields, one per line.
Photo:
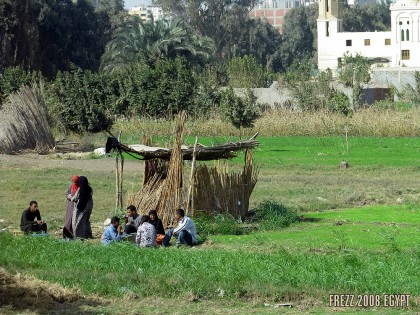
x=358 y=232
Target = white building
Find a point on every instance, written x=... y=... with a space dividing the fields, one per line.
x=398 y=48
x=145 y=12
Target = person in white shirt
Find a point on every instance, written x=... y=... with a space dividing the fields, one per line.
x=146 y=233
x=185 y=232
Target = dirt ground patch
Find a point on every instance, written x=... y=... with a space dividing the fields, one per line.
x=25 y=295
x=69 y=161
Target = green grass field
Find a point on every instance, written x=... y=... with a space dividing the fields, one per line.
x=359 y=233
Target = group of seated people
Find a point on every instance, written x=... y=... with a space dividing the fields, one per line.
x=149 y=229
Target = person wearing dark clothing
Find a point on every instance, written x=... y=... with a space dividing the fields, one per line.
x=83 y=205
x=132 y=220
x=28 y=223
x=68 y=228
x=157 y=223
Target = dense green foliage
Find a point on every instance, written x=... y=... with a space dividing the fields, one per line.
x=219 y=224
x=228 y=24
x=354 y=72
x=166 y=89
x=50 y=35
x=157 y=68
x=245 y=72
x=374 y=17
x=412 y=93
x=79 y=101
x=12 y=78
x=88 y=101
x=299 y=35
x=148 y=42
x=240 y=111
x=272 y=215
x=310 y=93
x=339 y=102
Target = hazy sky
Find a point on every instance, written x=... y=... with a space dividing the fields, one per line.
x=132 y=3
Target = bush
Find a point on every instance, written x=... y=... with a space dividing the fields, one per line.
x=165 y=89
x=241 y=112
x=339 y=102
x=221 y=224
x=245 y=72
x=272 y=215
x=79 y=101
x=12 y=78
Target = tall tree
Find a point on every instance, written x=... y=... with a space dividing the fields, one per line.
x=225 y=21
x=354 y=72
x=112 y=15
x=71 y=33
x=367 y=18
x=299 y=35
x=50 y=35
x=138 y=41
x=19 y=34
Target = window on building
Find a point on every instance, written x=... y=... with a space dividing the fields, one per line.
x=405 y=54
x=400 y=23
x=408 y=22
x=328 y=29
x=339 y=62
x=407 y=35
x=387 y=41
x=367 y=42
x=348 y=42
x=402 y=35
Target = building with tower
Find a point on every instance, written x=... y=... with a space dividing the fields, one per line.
x=397 y=48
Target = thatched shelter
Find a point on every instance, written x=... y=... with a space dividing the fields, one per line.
x=213 y=190
x=25 y=123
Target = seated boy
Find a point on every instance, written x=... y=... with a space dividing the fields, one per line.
x=185 y=232
x=28 y=224
x=132 y=220
x=113 y=232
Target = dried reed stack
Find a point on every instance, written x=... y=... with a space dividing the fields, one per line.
x=25 y=123
x=203 y=190
x=218 y=191
x=155 y=172
x=148 y=197
x=172 y=194
x=153 y=166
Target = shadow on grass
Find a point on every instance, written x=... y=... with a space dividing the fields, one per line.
x=306 y=219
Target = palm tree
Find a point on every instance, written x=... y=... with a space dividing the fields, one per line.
x=138 y=41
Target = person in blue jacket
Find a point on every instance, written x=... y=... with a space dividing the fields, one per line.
x=113 y=232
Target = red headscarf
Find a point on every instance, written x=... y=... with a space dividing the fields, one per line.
x=75 y=184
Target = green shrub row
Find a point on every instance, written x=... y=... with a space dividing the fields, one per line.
x=270 y=215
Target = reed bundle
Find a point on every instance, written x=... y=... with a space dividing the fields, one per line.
x=172 y=193
x=148 y=197
x=25 y=123
x=203 y=190
x=220 y=191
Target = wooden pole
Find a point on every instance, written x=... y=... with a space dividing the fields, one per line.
x=190 y=196
x=120 y=182
x=118 y=176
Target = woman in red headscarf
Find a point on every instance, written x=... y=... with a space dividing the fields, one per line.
x=68 y=230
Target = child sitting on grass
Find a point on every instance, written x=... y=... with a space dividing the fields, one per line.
x=113 y=232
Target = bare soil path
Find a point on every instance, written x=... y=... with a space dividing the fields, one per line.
x=69 y=161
